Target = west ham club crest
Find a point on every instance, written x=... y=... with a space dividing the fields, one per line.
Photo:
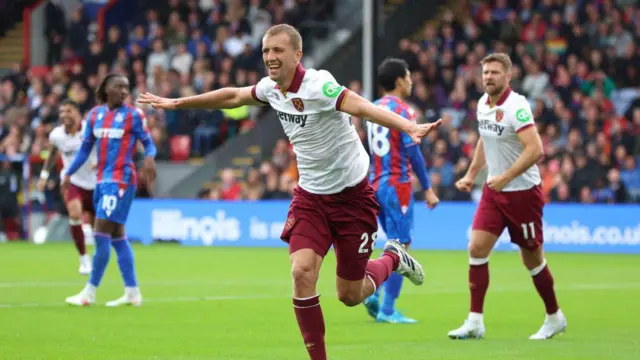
x=298 y=104
x=499 y=115
x=289 y=224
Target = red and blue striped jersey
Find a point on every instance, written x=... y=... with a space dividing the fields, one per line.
x=114 y=133
x=390 y=163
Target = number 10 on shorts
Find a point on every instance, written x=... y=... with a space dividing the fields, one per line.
x=109 y=203
x=364 y=246
x=528 y=230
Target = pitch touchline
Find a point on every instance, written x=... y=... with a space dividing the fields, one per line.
x=573 y=287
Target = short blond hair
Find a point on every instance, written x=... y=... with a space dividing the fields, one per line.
x=294 y=35
x=501 y=58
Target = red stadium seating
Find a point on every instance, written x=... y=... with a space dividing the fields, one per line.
x=179 y=148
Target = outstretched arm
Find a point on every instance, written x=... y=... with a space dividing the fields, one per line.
x=225 y=98
x=355 y=105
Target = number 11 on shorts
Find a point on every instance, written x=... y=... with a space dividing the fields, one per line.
x=365 y=239
x=525 y=230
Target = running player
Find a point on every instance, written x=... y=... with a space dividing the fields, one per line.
x=66 y=140
x=393 y=155
x=114 y=127
x=510 y=146
x=333 y=203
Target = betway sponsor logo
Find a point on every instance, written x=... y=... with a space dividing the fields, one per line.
x=295 y=119
x=491 y=126
x=171 y=224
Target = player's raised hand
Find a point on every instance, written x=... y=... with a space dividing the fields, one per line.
x=422 y=130
x=431 y=198
x=465 y=184
x=158 y=102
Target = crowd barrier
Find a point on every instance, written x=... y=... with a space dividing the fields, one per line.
x=567 y=227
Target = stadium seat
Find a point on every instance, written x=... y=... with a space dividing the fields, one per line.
x=179 y=148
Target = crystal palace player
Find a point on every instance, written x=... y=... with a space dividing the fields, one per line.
x=114 y=127
x=393 y=155
x=334 y=203
x=510 y=146
x=66 y=140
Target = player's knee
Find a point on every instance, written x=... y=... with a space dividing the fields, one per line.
x=481 y=245
x=478 y=250
x=304 y=275
x=349 y=298
x=75 y=210
x=532 y=258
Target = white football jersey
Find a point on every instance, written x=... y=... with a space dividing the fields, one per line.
x=69 y=145
x=328 y=150
x=498 y=126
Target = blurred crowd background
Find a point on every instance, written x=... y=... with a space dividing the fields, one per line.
x=575 y=60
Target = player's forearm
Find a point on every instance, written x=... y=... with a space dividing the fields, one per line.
x=81 y=157
x=478 y=161
x=419 y=166
x=529 y=157
x=224 y=98
x=150 y=149
x=357 y=106
x=48 y=163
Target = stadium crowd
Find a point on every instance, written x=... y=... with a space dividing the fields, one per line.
x=576 y=62
x=176 y=48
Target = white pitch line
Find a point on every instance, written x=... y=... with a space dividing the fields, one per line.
x=431 y=291
x=43 y=284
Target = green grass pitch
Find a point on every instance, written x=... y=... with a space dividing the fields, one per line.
x=235 y=303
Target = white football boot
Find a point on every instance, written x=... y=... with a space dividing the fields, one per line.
x=471 y=329
x=131 y=297
x=553 y=325
x=86 y=297
x=408 y=266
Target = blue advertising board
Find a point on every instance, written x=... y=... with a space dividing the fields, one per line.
x=567 y=228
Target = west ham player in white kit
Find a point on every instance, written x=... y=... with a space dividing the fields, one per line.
x=333 y=203
x=510 y=146
x=66 y=140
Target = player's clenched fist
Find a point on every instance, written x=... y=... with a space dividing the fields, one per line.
x=497 y=183
x=431 y=198
x=422 y=130
x=464 y=184
x=158 y=102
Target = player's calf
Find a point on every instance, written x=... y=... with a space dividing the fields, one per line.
x=305 y=267
x=74 y=208
x=555 y=321
x=480 y=247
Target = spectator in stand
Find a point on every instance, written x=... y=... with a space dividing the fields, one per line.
x=55 y=30
x=230 y=188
